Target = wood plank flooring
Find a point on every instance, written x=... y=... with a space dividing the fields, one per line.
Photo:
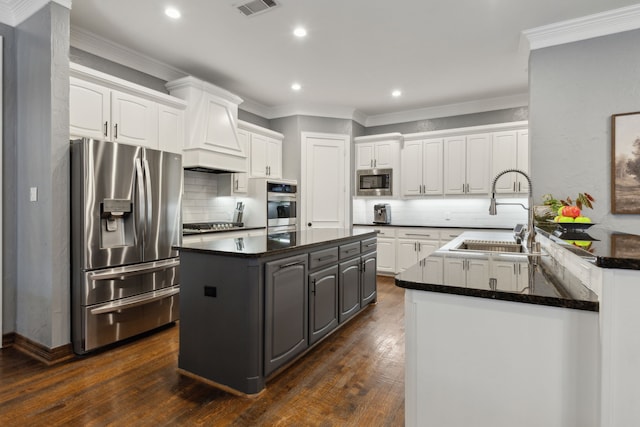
x=353 y=378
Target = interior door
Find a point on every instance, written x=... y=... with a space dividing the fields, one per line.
x=325 y=186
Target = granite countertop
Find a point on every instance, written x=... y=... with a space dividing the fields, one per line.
x=199 y=232
x=603 y=246
x=271 y=244
x=517 y=278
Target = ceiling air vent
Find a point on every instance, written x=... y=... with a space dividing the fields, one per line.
x=255 y=7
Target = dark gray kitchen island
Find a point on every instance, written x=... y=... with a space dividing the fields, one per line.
x=251 y=306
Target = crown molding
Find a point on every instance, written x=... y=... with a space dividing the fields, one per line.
x=89 y=42
x=13 y=12
x=319 y=110
x=478 y=106
x=597 y=25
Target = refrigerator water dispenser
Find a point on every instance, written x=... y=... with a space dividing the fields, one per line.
x=117 y=223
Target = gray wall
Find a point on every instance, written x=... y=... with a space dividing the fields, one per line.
x=253 y=118
x=42 y=63
x=574 y=90
x=113 y=68
x=464 y=120
x=9 y=179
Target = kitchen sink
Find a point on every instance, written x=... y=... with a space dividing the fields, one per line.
x=491 y=246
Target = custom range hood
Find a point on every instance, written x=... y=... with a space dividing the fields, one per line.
x=212 y=143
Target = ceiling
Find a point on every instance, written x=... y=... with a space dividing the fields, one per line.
x=356 y=52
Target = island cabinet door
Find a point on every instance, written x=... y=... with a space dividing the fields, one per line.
x=285 y=310
x=349 y=289
x=368 y=279
x=323 y=302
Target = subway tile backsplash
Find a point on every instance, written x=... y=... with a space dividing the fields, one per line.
x=464 y=212
x=200 y=201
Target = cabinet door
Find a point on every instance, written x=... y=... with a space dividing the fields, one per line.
x=407 y=253
x=89 y=113
x=274 y=158
x=432 y=167
x=454 y=272
x=349 y=289
x=258 y=156
x=478 y=273
x=505 y=275
x=385 y=154
x=368 y=290
x=285 y=310
x=386 y=255
x=134 y=120
x=170 y=129
x=364 y=155
x=505 y=156
x=455 y=165
x=427 y=247
x=323 y=303
x=478 y=159
x=411 y=170
x=432 y=271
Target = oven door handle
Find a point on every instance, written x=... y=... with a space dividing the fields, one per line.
x=121 y=273
x=135 y=301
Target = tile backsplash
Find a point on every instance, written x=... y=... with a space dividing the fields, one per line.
x=465 y=212
x=200 y=201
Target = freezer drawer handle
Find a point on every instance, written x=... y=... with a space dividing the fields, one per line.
x=123 y=273
x=134 y=302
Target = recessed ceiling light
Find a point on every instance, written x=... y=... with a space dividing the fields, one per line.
x=296 y=86
x=172 y=12
x=299 y=32
x=396 y=93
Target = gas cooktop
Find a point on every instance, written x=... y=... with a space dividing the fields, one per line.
x=208 y=227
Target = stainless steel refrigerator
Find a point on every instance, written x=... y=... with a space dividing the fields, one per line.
x=125 y=219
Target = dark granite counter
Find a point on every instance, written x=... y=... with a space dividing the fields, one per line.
x=272 y=244
x=605 y=247
x=501 y=276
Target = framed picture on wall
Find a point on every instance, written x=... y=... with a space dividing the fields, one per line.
x=625 y=246
x=625 y=163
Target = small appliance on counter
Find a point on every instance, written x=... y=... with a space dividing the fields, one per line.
x=382 y=213
x=237 y=214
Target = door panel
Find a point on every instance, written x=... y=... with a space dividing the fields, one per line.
x=326 y=184
x=104 y=173
x=163 y=201
x=323 y=303
x=349 y=289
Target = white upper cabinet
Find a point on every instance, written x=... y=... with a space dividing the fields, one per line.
x=89 y=109
x=467 y=164
x=511 y=151
x=265 y=151
x=105 y=107
x=421 y=167
x=135 y=120
x=378 y=151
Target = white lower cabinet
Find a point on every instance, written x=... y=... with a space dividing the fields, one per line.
x=465 y=272
x=510 y=276
x=386 y=255
x=415 y=244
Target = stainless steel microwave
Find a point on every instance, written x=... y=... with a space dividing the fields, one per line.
x=374 y=182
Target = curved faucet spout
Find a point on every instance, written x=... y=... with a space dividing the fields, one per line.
x=493 y=206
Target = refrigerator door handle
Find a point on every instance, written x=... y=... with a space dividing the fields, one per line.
x=140 y=222
x=134 y=301
x=121 y=273
x=148 y=194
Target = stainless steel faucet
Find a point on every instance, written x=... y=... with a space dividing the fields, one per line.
x=532 y=245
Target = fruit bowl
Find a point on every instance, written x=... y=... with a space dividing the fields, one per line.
x=572 y=226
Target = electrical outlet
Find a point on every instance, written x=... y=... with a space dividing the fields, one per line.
x=33 y=194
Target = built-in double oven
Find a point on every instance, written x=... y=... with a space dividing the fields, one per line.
x=282 y=199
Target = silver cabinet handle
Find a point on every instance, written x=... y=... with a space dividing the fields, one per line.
x=106 y=128
x=236 y=184
x=115 y=130
x=514 y=187
x=135 y=301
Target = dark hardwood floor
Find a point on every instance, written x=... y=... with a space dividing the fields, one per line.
x=353 y=378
